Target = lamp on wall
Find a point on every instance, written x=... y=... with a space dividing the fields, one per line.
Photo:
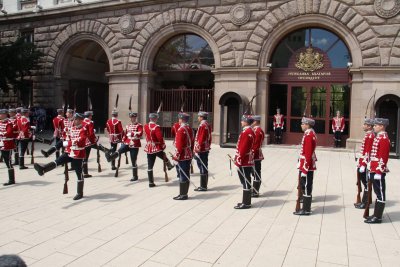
x=349 y=64
x=2 y=10
x=269 y=65
x=78 y=1
x=37 y=8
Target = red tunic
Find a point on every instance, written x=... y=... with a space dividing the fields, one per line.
x=68 y=123
x=76 y=142
x=244 y=155
x=338 y=124
x=133 y=133
x=380 y=153
x=203 y=137
x=278 y=121
x=258 y=142
x=307 y=157
x=24 y=128
x=13 y=121
x=154 y=138
x=58 y=125
x=174 y=129
x=365 y=150
x=6 y=135
x=91 y=136
x=115 y=130
x=184 y=143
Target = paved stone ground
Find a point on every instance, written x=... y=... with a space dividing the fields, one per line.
x=120 y=223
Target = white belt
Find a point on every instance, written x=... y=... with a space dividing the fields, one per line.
x=75 y=148
x=7 y=139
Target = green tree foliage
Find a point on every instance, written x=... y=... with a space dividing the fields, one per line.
x=17 y=60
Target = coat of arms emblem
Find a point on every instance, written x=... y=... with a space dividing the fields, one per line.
x=309 y=60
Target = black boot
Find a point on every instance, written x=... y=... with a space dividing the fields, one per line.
x=183 y=191
x=378 y=213
x=103 y=149
x=363 y=201
x=134 y=174
x=151 y=179
x=203 y=183
x=113 y=165
x=112 y=156
x=22 y=163
x=246 y=202
x=57 y=154
x=48 y=152
x=16 y=158
x=79 y=194
x=46 y=168
x=85 y=170
x=256 y=186
x=306 y=210
x=169 y=164
x=11 y=177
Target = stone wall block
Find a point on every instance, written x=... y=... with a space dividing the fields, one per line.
x=141 y=40
x=387 y=30
x=227 y=55
x=239 y=35
x=178 y=14
x=209 y=10
x=42 y=29
x=332 y=8
x=341 y=11
x=239 y=57
x=372 y=52
x=168 y=6
x=289 y=9
x=309 y=6
x=105 y=33
x=361 y=28
x=152 y=8
x=323 y=8
x=214 y=29
x=371 y=61
x=108 y=37
x=385 y=41
x=166 y=19
x=228 y=63
x=350 y=13
x=138 y=46
x=396 y=51
x=367 y=35
x=370 y=43
x=252 y=55
x=301 y=6
x=224 y=40
x=196 y=17
x=74 y=29
x=238 y=46
x=190 y=15
x=223 y=9
x=157 y=22
x=260 y=32
x=253 y=47
x=126 y=43
x=210 y=23
x=221 y=33
x=357 y=20
x=375 y=20
x=188 y=3
x=149 y=28
x=271 y=19
x=385 y=55
x=172 y=18
x=316 y=5
x=249 y=62
x=394 y=61
x=365 y=10
x=204 y=19
x=279 y=15
x=256 y=39
x=113 y=20
x=184 y=14
x=146 y=35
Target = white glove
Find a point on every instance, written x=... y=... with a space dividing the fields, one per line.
x=33 y=138
x=33 y=127
x=362 y=169
x=94 y=130
x=341 y=131
x=282 y=128
x=303 y=174
x=377 y=176
x=65 y=143
x=274 y=128
x=175 y=162
x=129 y=134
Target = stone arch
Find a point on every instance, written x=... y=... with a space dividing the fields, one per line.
x=85 y=30
x=395 y=52
x=333 y=15
x=183 y=20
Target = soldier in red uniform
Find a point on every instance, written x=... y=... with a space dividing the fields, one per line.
x=202 y=146
x=364 y=159
x=338 y=128
x=7 y=144
x=131 y=143
x=183 y=154
x=13 y=119
x=58 y=125
x=90 y=141
x=244 y=160
x=279 y=123
x=155 y=146
x=258 y=155
x=74 y=152
x=307 y=164
x=115 y=134
x=379 y=158
x=174 y=130
x=25 y=134
x=63 y=127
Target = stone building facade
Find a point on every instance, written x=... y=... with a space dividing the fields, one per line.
x=114 y=45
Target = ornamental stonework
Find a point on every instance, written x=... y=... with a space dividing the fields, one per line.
x=126 y=24
x=387 y=8
x=240 y=14
x=310 y=60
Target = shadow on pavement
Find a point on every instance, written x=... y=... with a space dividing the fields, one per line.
x=326 y=198
x=277 y=193
x=224 y=187
x=103 y=197
x=30 y=183
x=394 y=216
x=269 y=203
x=206 y=195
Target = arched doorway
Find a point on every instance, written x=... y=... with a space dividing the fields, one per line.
x=232 y=107
x=310 y=77
x=388 y=106
x=183 y=79
x=83 y=73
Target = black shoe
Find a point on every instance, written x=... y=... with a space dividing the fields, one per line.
x=180 y=197
x=152 y=185
x=44 y=153
x=11 y=177
x=256 y=187
x=378 y=213
x=151 y=179
x=246 y=201
x=113 y=168
x=87 y=176
x=242 y=206
x=77 y=197
x=200 y=189
x=203 y=183
x=23 y=167
x=133 y=179
x=183 y=191
x=79 y=194
x=306 y=210
x=134 y=174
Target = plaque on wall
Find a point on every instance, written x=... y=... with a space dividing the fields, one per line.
x=126 y=24
x=240 y=14
x=387 y=8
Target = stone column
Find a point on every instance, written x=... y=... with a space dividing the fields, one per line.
x=263 y=99
x=242 y=81
x=60 y=85
x=146 y=85
x=124 y=84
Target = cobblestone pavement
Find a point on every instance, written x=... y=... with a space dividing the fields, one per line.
x=120 y=223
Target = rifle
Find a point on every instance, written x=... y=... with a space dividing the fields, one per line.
x=191 y=168
x=358 y=197
x=65 y=190
x=119 y=164
x=33 y=146
x=298 y=193
x=165 y=167
x=366 y=211
x=98 y=155
x=126 y=158
x=230 y=167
